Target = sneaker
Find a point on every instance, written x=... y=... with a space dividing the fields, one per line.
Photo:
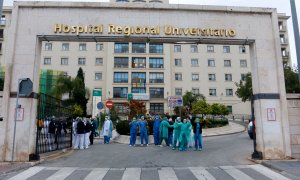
x=130 y=145
x=160 y=145
x=200 y=149
x=173 y=148
x=147 y=144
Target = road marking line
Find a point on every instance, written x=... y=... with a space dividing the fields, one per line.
x=267 y=172
x=201 y=174
x=132 y=174
x=235 y=173
x=62 y=173
x=167 y=174
x=28 y=173
x=97 y=173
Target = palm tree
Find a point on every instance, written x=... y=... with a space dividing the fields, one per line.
x=189 y=99
x=63 y=85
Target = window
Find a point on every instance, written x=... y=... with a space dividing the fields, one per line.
x=138 y=62
x=229 y=92
x=156 y=62
x=98 y=76
x=120 y=92
x=156 y=48
x=47 y=61
x=226 y=49
x=283 y=39
x=212 y=92
x=178 y=92
x=243 y=63
x=121 y=48
x=229 y=109
x=242 y=49
x=195 y=77
x=178 y=62
x=138 y=89
x=1 y=33
x=2 y=20
x=194 y=48
x=138 y=77
x=64 y=61
x=48 y=46
x=99 y=61
x=211 y=77
x=81 y=61
x=157 y=108
x=195 y=91
x=227 y=63
x=120 y=77
x=65 y=46
x=194 y=62
x=211 y=63
x=121 y=62
x=243 y=77
x=138 y=48
x=156 y=77
x=156 y=92
x=228 y=77
x=99 y=47
x=120 y=108
x=177 y=48
x=210 y=49
x=178 y=76
x=82 y=47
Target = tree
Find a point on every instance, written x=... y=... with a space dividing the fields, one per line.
x=189 y=99
x=215 y=109
x=63 y=85
x=79 y=93
x=244 y=88
x=201 y=107
x=136 y=108
x=223 y=110
x=291 y=80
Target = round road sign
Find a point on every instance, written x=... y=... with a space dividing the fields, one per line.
x=100 y=105
x=109 y=104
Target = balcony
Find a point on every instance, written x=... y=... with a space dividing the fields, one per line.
x=285 y=54
x=282 y=28
x=284 y=41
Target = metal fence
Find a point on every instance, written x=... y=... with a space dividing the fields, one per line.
x=54 y=125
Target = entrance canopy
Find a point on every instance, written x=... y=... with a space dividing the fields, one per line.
x=34 y=22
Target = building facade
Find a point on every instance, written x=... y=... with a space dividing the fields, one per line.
x=153 y=72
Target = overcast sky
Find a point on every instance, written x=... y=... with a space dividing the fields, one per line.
x=283 y=6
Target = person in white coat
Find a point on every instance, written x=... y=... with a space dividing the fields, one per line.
x=107 y=130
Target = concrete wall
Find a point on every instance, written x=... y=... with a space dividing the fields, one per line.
x=294 y=119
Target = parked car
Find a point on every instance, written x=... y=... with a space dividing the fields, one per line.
x=250 y=129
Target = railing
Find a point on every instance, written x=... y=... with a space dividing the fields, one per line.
x=54 y=125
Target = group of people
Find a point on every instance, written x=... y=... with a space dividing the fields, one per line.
x=178 y=135
x=83 y=133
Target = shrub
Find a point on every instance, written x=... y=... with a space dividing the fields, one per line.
x=123 y=127
x=213 y=123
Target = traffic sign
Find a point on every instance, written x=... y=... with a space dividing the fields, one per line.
x=100 y=105
x=109 y=104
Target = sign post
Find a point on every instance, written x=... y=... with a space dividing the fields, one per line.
x=97 y=97
x=109 y=104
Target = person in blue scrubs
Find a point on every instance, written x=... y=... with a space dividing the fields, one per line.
x=143 y=130
x=156 y=125
x=133 y=131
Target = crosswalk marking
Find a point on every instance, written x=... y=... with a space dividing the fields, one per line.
x=235 y=173
x=132 y=174
x=167 y=174
x=97 y=173
x=267 y=172
x=62 y=173
x=201 y=173
x=28 y=173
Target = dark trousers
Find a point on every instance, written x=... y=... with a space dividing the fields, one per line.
x=92 y=138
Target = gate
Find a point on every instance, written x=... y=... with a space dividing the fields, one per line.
x=54 y=125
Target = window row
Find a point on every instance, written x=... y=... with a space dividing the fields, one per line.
x=65 y=61
x=211 y=77
x=81 y=46
x=154 y=108
x=138 y=77
x=138 y=62
x=209 y=48
x=212 y=91
x=138 y=48
x=210 y=62
x=122 y=92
